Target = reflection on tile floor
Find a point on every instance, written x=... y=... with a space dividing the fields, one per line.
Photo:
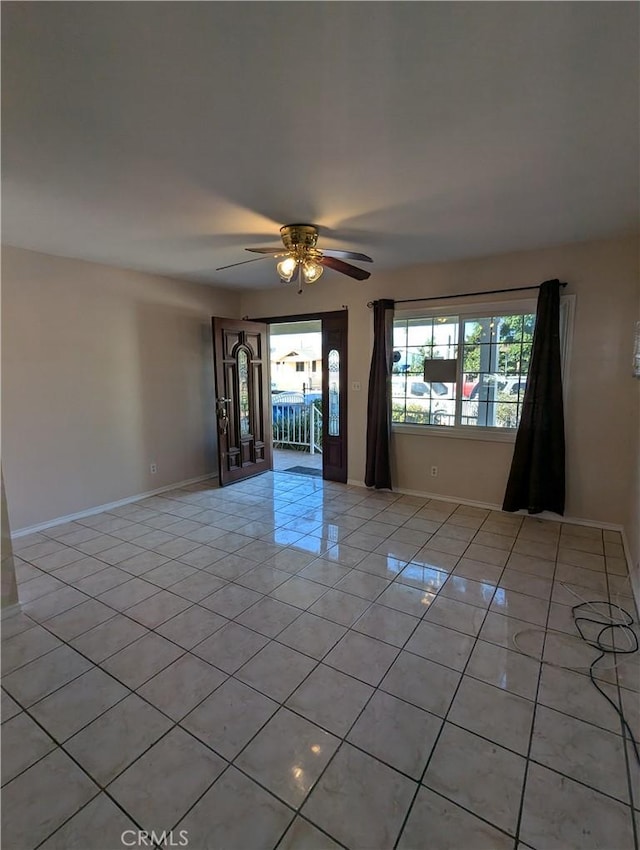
x=293 y=663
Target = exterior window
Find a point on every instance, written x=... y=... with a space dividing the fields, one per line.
x=314 y=366
x=465 y=371
x=299 y=365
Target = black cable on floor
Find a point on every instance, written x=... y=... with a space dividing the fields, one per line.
x=616 y=628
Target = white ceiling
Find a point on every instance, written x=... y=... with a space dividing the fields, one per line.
x=168 y=136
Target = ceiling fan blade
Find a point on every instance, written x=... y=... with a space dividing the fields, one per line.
x=344 y=268
x=243 y=263
x=348 y=255
x=279 y=250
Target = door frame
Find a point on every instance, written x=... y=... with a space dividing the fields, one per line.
x=326 y=317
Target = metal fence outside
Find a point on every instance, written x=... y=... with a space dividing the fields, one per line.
x=297 y=424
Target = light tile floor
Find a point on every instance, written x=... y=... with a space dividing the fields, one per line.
x=293 y=663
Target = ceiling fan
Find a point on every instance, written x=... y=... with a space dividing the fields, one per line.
x=302 y=261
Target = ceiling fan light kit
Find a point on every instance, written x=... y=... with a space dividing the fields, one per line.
x=302 y=261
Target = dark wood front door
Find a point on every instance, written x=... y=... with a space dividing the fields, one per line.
x=243 y=400
x=334 y=396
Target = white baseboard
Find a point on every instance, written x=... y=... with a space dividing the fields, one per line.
x=11 y=611
x=98 y=509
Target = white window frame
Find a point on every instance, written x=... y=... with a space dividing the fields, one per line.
x=480 y=310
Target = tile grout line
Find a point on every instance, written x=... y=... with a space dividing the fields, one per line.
x=175 y=723
x=350 y=628
x=101 y=788
x=420 y=783
x=462 y=674
x=343 y=739
x=198 y=603
x=535 y=707
x=123 y=613
x=280 y=705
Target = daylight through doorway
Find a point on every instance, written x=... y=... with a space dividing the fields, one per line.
x=296 y=396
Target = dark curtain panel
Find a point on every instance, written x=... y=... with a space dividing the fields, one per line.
x=536 y=480
x=378 y=469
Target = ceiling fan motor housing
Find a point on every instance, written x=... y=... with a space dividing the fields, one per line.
x=299 y=236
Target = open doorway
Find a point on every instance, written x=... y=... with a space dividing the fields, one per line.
x=296 y=396
x=314 y=370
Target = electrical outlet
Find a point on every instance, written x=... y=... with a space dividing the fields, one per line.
x=153 y=468
x=355 y=385
x=434 y=471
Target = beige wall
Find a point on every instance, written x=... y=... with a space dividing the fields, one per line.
x=104 y=371
x=601 y=408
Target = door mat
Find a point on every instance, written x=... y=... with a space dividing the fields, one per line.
x=305 y=470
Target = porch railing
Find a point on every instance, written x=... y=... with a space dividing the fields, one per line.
x=298 y=426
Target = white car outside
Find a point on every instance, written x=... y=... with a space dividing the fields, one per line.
x=421 y=402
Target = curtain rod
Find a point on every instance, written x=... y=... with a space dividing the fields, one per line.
x=463 y=294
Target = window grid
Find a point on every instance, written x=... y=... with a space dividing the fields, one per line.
x=498 y=345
